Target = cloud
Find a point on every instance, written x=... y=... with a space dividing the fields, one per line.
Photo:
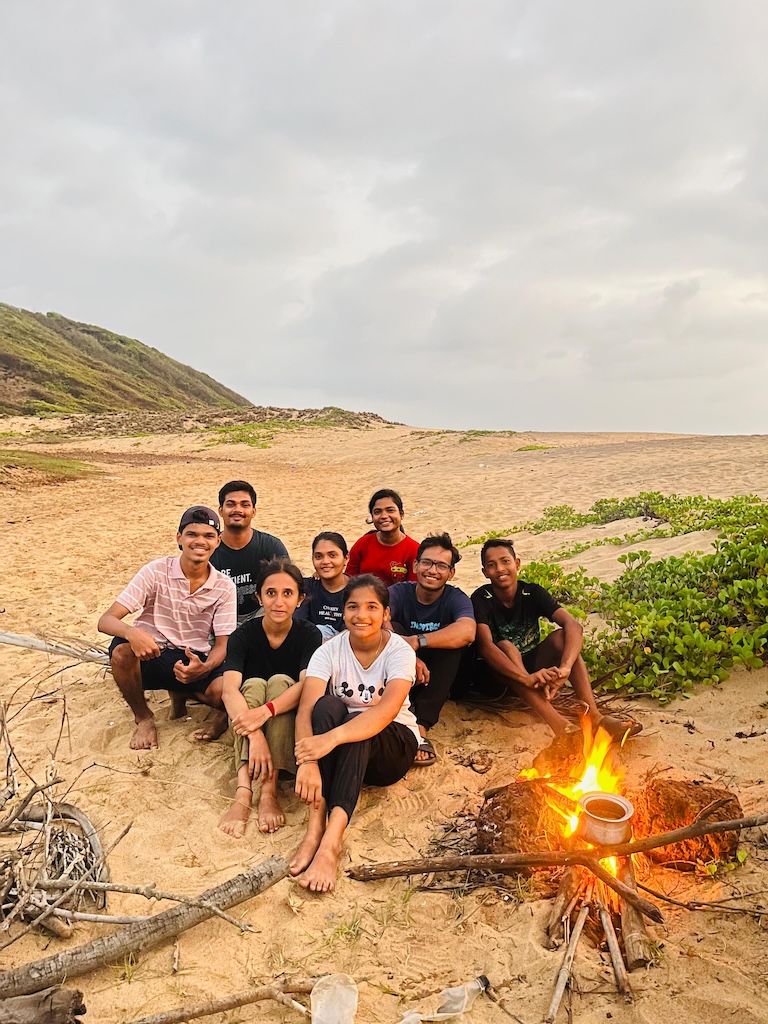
x=505 y=215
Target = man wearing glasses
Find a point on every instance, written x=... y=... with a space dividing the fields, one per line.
x=437 y=620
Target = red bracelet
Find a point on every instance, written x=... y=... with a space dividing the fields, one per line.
x=270 y=708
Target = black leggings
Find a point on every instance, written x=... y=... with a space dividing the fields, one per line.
x=379 y=761
x=427 y=701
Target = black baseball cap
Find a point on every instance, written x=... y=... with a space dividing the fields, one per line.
x=200 y=514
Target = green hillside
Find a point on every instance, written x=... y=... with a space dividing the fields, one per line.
x=51 y=364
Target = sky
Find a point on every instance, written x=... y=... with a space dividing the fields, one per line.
x=496 y=215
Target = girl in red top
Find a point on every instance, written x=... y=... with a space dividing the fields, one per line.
x=387 y=551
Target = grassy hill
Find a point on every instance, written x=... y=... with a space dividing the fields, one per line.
x=49 y=364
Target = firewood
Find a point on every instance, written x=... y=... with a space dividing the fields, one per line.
x=52 y=1006
x=637 y=945
x=564 y=973
x=569 y=884
x=143 y=935
x=279 y=991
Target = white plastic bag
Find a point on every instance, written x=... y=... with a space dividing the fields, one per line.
x=333 y=1000
x=454 y=1001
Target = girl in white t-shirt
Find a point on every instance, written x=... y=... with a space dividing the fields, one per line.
x=354 y=725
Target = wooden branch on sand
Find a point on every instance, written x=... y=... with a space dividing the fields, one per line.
x=53 y=1006
x=280 y=991
x=144 y=935
x=637 y=945
x=512 y=862
x=33 y=644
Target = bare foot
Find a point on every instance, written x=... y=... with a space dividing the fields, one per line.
x=271 y=816
x=213 y=728
x=145 y=736
x=320 y=876
x=178 y=705
x=236 y=818
x=304 y=854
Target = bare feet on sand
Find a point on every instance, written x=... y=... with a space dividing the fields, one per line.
x=320 y=876
x=236 y=818
x=145 y=736
x=271 y=816
x=212 y=728
x=304 y=855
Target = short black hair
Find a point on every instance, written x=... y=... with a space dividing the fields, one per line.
x=440 y=540
x=367 y=579
x=496 y=542
x=276 y=566
x=385 y=492
x=236 y=485
x=333 y=538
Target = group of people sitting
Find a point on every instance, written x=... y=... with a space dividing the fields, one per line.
x=335 y=678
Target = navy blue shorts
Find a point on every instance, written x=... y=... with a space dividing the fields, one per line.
x=157 y=674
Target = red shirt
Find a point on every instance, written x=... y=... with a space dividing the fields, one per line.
x=392 y=563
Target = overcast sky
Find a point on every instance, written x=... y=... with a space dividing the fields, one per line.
x=513 y=215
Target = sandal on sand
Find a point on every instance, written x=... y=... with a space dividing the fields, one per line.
x=425 y=747
x=619 y=729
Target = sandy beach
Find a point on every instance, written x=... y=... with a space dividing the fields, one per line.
x=71 y=547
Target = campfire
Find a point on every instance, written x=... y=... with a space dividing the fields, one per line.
x=572 y=800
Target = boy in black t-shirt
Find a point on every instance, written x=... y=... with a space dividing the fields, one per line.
x=509 y=643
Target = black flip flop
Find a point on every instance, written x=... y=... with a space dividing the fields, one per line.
x=422 y=762
x=620 y=729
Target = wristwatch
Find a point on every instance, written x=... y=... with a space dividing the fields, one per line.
x=422 y=640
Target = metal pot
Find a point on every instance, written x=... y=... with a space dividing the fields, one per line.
x=606 y=819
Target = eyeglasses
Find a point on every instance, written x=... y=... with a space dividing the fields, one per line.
x=427 y=563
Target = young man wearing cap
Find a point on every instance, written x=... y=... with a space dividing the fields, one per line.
x=438 y=622
x=182 y=600
x=243 y=550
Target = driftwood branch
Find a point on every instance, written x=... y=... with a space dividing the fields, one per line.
x=145 y=935
x=19 y=812
x=53 y=1006
x=32 y=643
x=279 y=991
x=74 y=886
x=150 y=892
x=547 y=858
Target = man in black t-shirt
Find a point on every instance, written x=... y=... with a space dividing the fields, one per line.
x=243 y=550
x=512 y=652
x=437 y=620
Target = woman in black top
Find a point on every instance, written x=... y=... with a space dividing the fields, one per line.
x=264 y=673
x=323 y=604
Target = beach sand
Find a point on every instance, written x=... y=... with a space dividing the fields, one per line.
x=70 y=549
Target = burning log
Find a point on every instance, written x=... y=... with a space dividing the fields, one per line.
x=637 y=945
x=670 y=803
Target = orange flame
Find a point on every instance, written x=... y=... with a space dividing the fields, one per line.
x=599 y=774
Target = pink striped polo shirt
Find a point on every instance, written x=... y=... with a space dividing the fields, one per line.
x=171 y=614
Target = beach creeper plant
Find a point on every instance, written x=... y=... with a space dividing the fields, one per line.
x=676 y=621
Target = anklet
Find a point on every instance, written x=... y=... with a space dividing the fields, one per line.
x=245 y=787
